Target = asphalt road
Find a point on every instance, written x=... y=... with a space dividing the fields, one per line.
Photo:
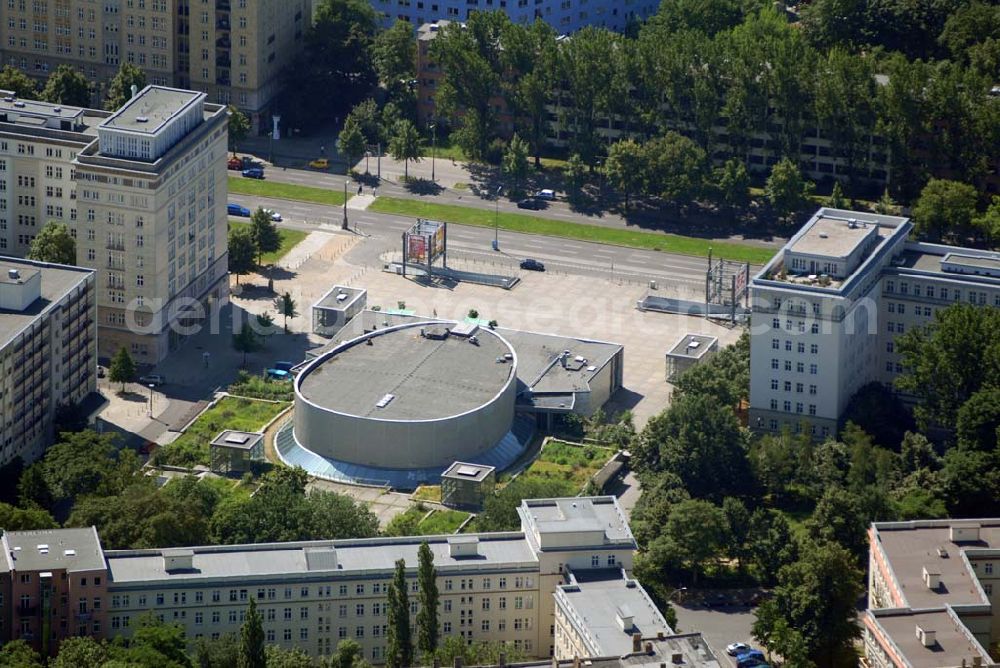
x=719 y=626
x=475 y=242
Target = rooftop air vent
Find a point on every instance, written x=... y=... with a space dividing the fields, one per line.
x=141 y=119
x=824 y=235
x=13 y=274
x=384 y=401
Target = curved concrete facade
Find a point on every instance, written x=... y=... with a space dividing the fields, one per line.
x=452 y=400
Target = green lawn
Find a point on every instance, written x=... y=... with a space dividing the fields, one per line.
x=564 y=461
x=260 y=387
x=442 y=521
x=444 y=149
x=289 y=239
x=191 y=447
x=517 y=222
x=262 y=188
x=428 y=493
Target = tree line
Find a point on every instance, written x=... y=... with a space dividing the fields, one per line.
x=732 y=76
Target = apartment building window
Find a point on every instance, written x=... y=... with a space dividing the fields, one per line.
x=198 y=618
x=502 y=603
x=288 y=614
x=303 y=612
x=988 y=568
x=788 y=365
x=487 y=583
x=270 y=635
x=788 y=406
x=775 y=344
x=359 y=609
x=271 y=614
x=814 y=349
x=342 y=611
x=303 y=633
x=813 y=369
x=486 y=604
x=503 y=583
x=798 y=407
x=304 y=592
x=776 y=323
x=812 y=389
x=801 y=347
x=342 y=632
x=343 y=590
x=788 y=386
x=359 y=632
x=232 y=616
x=774 y=404
x=446 y=627
x=287 y=635
x=774 y=383
x=447 y=605
x=216 y=617
x=288 y=590
x=788 y=345
x=814 y=328
x=799 y=387
x=812 y=409
x=774 y=363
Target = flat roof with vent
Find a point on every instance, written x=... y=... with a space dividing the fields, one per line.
x=833 y=237
x=950 y=642
x=466 y=471
x=54 y=549
x=693 y=346
x=151 y=109
x=237 y=440
x=404 y=375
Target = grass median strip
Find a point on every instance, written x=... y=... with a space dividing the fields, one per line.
x=263 y=188
x=517 y=222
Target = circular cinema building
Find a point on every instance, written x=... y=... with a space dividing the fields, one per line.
x=403 y=403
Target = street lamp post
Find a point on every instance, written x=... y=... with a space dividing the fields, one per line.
x=496 y=221
x=433 y=148
x=344 y=224
x=150 y=400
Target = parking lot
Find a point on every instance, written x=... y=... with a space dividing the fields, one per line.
x=720 y=626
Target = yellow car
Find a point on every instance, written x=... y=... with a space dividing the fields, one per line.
x=320 y=163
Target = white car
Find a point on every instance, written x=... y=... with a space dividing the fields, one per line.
x=275 y=216
x=152 y=379
x=736 y=648
x=549 y=195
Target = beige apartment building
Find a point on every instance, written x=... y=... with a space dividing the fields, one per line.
x=232 y=50
x=312 y=595
x=48 y=350
x=933 y=592
x=143 y=191
x=151 y=197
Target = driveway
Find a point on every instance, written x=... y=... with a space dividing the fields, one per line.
x=719 y=627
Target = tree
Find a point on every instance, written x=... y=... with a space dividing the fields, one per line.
x=737 y=530
x=285 y=306
x=575 y=175
x=120 y=87
x=885 y=205
x=816 y=596
x=242 y=251
x=838 y=519
x=515 y=162
x=279 y=657
x=19 y=654
x=79 y=652
x=625 y=167
x=246 y=341
x=13 y=518
x=68 y=86
x=334 y=71
x=349 y=654
x=786 y=190
x=156 y=643
x=394 y=54
x=978 y=419
x=733 y=182
x=988 y=224
x=251 y=654
x=676 y=167
x=877 y=410
x=771 y=544
x=945 y=208
x=697 y=531
x=53 y=244
x=837 y=199
x=18 y=82
x=427 y=615
x=239 y=128
x=399 y=644
x=948 y=361
x=351 y=141
x=500 y=510
x=405 y=144
x=266 y=238
x=698 y=440
x=220 y=653
x=122 y=369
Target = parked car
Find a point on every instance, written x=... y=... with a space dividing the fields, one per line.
x=750 y=659
x=532 y=265
x=737 y=648
x=284 y=366
x=320 y=163
x=278 y=374
x=548 y=195
x=234 y=164
x=237 y=210
x=253 y=173
x=152 y=379
x=530 y=203
x=275 y=216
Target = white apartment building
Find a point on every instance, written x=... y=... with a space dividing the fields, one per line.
x=933 y=589
x=48 y=350
x=828 y=307
x=143 y=192
x=312 y=595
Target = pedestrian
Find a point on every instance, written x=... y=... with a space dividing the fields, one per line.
x=361 y=188
x=374 y=191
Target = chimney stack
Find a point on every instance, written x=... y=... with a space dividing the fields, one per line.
x=135 y=91
x=636 y=642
